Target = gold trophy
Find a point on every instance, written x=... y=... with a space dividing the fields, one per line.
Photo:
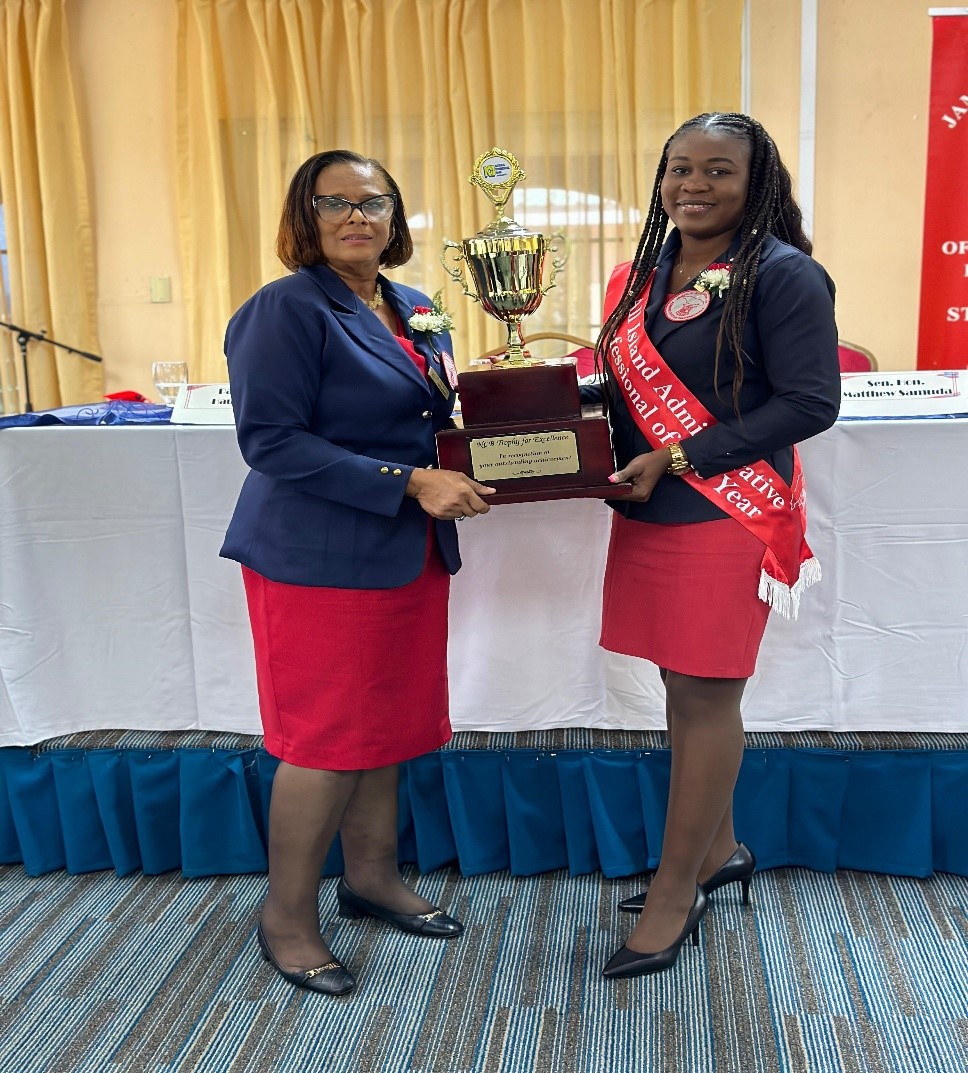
x=505 y=260
x=523 y=430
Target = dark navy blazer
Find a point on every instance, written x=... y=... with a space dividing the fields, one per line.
x=332 y=418
x=791 y=384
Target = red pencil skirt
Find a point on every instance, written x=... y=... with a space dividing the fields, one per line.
x=351 y=679
x=684 y=596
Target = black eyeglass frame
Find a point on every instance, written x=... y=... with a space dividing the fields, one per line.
x=351 y=205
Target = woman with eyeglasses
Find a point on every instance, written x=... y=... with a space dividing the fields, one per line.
x=345 y=531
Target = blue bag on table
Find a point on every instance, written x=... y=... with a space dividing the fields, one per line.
x=110 y=412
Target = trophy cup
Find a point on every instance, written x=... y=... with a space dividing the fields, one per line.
x=523 y=431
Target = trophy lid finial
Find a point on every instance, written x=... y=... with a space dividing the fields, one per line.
x=497 y=172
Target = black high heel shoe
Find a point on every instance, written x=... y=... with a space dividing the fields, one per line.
x=738 y=869
x=625 y=962
x=433 y=925
x=329 y=979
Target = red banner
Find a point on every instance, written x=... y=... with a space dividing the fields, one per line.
x=943 y=325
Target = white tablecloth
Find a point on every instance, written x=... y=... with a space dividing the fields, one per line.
x=116 y=612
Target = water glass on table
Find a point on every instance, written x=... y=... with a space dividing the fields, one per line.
x=168 y=377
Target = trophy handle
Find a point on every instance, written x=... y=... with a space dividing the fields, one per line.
x=559 y=242
x=455 y=271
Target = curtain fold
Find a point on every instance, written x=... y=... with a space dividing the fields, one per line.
x=205 y=811
x=44 y=191
x=583 y=92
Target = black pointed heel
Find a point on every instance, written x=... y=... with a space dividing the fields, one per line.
x=626 y=963
x=330 y=979
x=738 y=869
x=433 y=925
x=636 y=903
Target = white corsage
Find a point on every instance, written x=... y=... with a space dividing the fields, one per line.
x=431 y=319
x=715 y=280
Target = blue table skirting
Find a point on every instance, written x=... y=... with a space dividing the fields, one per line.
x=204 y=810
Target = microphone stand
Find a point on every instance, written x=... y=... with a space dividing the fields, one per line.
x=24 y=335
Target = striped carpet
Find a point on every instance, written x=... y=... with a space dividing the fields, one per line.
x=845 y=973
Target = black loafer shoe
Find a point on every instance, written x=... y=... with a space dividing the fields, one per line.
x=433 y=925
x=329 y=979
x=738 y=869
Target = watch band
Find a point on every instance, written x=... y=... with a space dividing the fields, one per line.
x=679 y=464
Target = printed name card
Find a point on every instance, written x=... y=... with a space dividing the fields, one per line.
x=203 y=404
x=920 y=393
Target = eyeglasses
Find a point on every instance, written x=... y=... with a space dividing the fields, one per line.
x=375 y=209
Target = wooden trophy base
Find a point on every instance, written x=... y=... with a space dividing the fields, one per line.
x=524 y=434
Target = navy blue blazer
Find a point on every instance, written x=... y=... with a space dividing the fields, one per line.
x=791 y=385
x=332 y=418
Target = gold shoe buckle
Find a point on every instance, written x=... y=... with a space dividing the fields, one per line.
x=330 y=966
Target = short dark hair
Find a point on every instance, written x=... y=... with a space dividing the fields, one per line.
x=297 y=242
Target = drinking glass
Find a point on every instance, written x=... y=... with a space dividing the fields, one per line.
x=168 y=376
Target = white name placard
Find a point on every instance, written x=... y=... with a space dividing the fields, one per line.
x=919 y=393
x=203 y=404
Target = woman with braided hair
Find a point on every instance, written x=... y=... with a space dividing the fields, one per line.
x=719 y=353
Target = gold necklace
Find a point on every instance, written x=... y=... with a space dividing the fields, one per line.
x=685 y=272
x=376 y=301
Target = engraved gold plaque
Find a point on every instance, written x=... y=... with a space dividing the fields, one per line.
x=533 y=454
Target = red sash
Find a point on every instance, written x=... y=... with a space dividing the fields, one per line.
x=755 y=495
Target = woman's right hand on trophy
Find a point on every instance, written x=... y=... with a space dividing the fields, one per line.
x=447 y=494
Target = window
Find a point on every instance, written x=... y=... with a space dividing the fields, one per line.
x=596 y=231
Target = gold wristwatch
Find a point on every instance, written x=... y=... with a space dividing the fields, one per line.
x=679 y=464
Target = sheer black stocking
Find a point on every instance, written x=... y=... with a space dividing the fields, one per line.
x=724 y=841
x=305 y=812
x=308 y=807
x=369 y=837
x=707 y=747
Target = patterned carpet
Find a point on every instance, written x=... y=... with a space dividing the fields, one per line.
x=845 y=973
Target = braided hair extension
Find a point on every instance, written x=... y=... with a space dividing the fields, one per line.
x=770 y=209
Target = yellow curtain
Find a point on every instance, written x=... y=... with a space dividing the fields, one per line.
x=43 y=189
x=582 y=92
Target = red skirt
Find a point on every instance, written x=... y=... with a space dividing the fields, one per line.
x=351 y=679
x=684 y=596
